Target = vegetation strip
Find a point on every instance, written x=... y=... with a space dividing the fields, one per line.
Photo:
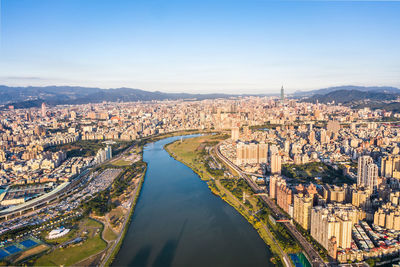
x=127 y=222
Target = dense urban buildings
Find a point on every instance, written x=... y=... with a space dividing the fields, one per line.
x=307 y=142
x=333 y=170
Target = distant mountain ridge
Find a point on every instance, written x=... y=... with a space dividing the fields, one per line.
x=351 y=96
x=33 y=96
x=379 y=89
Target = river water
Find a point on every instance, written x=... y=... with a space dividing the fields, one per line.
x=179 y=222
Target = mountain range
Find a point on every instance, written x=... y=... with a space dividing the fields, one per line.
x=25 y=97
x=377 y=89
x=34 y=96
x=351 y=96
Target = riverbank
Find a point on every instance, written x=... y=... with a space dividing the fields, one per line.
x=175 y=209
x=191 y=152
x=110 y=257
x=111 y=209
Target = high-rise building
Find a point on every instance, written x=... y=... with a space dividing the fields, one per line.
x=262 y=152
x=390 y=166
x=302 y=205
x=388 y=216
x=361 y=198
x=108 y=152
x=372 y=176
x=2 y=156
x=39 y=130
x=275 y=163
x=28 y=116
x=367 y=175
x=235 y=133
x=272 y=185
x=246 y=132
x=43 y=110
x=323 y=138
x=73 y=115
x=282 y=94
x=103 y=154
x=286 y=146
x=317 y=113
x=311 y=137
x=284 y=195
x=333 y=193
x=241 y=153
x=251 y=153
x=331 y=222
x=333 y=126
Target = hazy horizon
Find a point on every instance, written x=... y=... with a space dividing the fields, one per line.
x=248 y=92
x=220 y=46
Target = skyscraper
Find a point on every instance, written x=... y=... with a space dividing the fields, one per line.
x=275 y=163
x=262 y=152
x=331 y=222
x=108 y=150
x=322 y=136
x=235 y=133
x=43 y=109
x=282 y=94
x=367 y=174
x=372 y=176
x=302 y=210
x=390 y=166
x=251 y=153
x=272 y=185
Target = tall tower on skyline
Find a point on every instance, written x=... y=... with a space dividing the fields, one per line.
x=282 y=94
x=43 y=110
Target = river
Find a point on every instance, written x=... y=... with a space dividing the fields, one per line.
x=179 y=222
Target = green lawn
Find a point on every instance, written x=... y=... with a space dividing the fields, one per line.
x=192 y=153
x=73 y=254
x=121 y=163
x=109 y=234
x=308 y=172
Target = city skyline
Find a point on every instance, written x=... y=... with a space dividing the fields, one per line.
x=322 y=170
x=219 y=46
x=199 y=133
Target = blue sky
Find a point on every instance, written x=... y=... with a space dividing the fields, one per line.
x=231 y=46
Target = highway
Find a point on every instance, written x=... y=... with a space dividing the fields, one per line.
x=55 y=194
x=310 y=252
x=45 y=199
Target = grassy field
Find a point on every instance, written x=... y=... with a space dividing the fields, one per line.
x=31 y=252
x=89 y=229
x=192 y=153
x=121 y=163
x=109 y=235
x=308 y=172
